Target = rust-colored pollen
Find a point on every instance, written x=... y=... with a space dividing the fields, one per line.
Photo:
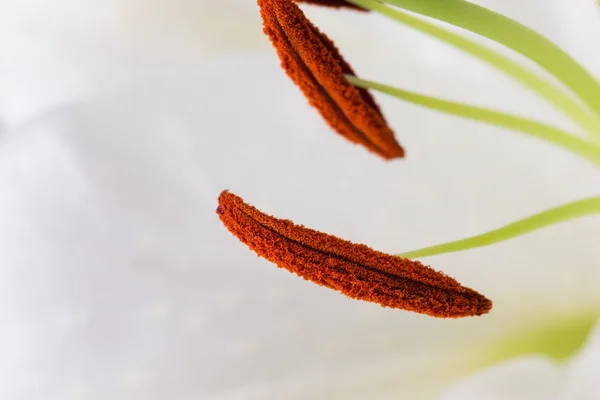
x=353 y=269
x=332 y=3
x=313 y=62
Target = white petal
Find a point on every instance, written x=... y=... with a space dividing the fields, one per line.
x=56 y=52
x=582 y=374
x=537 y=378
x=524 y=379
x=115 y=264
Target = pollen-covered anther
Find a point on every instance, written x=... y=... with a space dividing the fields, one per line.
x=352 y=269
x=313 y=62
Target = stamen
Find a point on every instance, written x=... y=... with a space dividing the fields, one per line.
x=313 y=62
x=556 y=96
x=352 y=269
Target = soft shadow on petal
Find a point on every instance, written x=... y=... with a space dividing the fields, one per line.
x=530 y=378
x=582 y=373
x=536 y=378
x=65 y=50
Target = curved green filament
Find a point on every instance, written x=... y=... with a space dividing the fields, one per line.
x=445 y=10
x=516 y=36
x=550 y=217
x=580 y=147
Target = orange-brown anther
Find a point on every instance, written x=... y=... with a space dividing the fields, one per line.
x=332 y=3
x=313 y=62
x=353 y=269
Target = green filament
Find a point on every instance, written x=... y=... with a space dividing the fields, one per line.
x=530 y=44
x=518 y=37
x=580 y=147
x=550 y=217
x=450 y=11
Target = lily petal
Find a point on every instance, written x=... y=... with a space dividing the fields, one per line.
x=524 y=379
x=537 y=378
x=111 y=249
x=582 y=372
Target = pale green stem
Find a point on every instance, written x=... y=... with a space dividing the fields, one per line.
x=444 y=11
x=516 y=36
x=550 y=217
x=580 y=147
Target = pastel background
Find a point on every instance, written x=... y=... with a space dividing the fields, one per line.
x=121 y=122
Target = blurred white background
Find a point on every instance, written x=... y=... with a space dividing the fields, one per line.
x=123 y=120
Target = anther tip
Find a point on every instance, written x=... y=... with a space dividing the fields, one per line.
x=486 y=305
x=221 y=198
x=397 y=153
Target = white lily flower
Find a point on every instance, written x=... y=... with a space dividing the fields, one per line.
x=118 y=281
